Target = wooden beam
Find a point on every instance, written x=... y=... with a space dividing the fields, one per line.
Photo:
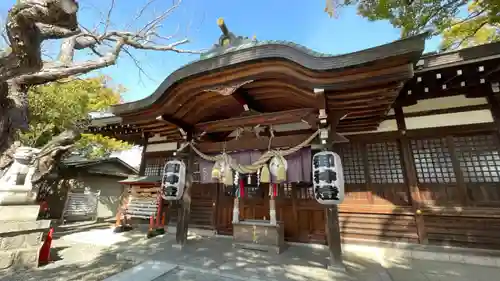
x=261 y=143
x=442 y=111
x=411 y=175
x=142 y=168
x=357 y=129
x=494 y=104
x=178 y=123
x=274 y=118
x=248 y=103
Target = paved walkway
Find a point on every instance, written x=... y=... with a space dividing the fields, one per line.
x=216 y=256
x=97 y=254
x=420 y=270
x=72 y=262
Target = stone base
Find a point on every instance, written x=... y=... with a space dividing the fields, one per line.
x=21 y=258
x=19 y=213
x=20 y=242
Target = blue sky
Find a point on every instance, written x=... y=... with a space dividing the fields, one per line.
x=300 y=21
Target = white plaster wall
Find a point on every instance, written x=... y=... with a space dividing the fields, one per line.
x=441 y=103
x=438 y=120
x=164 y=146
x=449 y=119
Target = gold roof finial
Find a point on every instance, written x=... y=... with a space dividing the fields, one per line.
x=222 y=26
x=220 y=21
x=254 y=37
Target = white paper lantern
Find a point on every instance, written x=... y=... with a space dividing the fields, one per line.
x=173 y=180
x=328 y=178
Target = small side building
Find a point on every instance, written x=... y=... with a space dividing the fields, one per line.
x=95 y=176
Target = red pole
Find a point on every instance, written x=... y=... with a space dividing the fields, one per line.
x=44 y=255
x=159 y=202
x=242 y=188
x=151 y=222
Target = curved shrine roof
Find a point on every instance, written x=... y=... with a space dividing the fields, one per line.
x=250 y=51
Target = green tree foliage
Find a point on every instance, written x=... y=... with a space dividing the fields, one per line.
x=480 y=25
x=56 y=106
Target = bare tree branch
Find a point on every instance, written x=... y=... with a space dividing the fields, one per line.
x=32 y=21
x=146 y=38
x=108 y=18
x=52 y=74
x=25 y=38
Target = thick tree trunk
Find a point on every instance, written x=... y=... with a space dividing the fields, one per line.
x=8 y=111
x=28 y=23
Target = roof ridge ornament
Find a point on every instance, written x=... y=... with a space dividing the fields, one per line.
x=227 y=40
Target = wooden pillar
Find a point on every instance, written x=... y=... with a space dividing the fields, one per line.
x=215 y=206
x=142 y=167
x=411 y=175
x=236 y=209
x=462 y=187
x=494 y=108
x=295 y=212
x=332 y=224
x=185 y=209
x=272 y=205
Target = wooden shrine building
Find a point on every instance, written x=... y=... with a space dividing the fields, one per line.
x=418 y=136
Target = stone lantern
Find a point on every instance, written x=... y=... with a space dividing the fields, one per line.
x=20 y=231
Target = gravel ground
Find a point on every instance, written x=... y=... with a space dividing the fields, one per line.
x=72 y=261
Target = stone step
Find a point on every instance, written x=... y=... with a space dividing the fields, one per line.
x=146 y=271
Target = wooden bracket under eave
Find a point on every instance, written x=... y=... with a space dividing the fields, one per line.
x=263 y=119
x=188 y=129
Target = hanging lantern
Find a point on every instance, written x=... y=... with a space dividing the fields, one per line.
x=173 y=180
x=278 y=167
x=328 y=178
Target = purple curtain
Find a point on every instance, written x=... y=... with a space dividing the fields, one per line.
x=242 y=157
x=246 y=157
x=299 y=165
x=205 y=170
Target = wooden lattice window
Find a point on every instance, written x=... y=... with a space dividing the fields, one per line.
x=352 y=163
x=287 y=190
x=384 y=162
x=433 y=161
x=227 y=190
x=196 y=171
x=478 y=157
x=154 y=166
x=305 y=192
